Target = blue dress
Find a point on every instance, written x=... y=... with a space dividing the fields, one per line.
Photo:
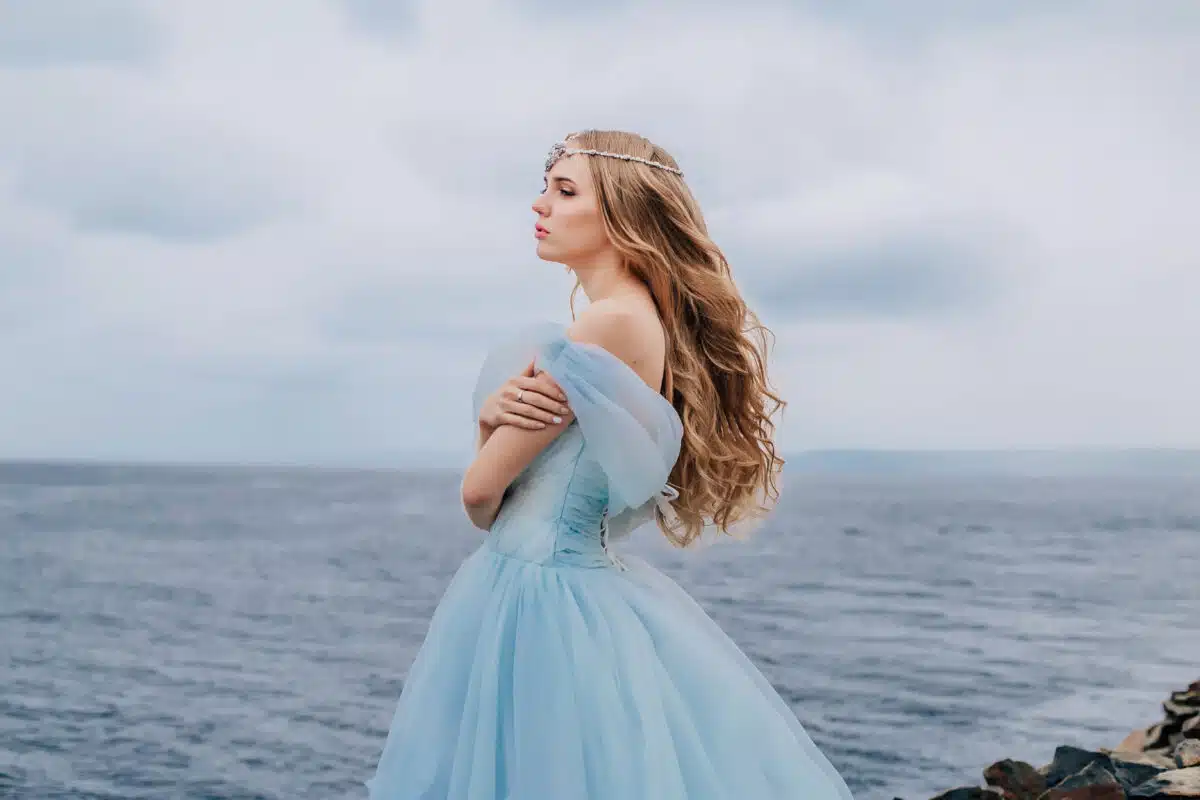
x=554 y=669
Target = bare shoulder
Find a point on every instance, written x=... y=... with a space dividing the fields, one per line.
x=630 y=333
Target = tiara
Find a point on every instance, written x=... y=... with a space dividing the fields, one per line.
x=560 y=149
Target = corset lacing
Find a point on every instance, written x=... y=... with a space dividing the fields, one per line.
x=662 y=499
x=612 y=557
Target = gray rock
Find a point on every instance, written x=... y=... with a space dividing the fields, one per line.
x=1187 y=754
x=1016 y=779
x=1135 y=769
x=1171 y=785
x=1153 y=758
x=1191 y=728
x=1092 y=775
x=1188 y=697
x=1182 y=704
x=1070 y=760
x=970 y=793
x=1128 y=769
x=1164 y=734
x=1101 y=791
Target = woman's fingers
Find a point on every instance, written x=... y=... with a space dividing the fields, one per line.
x=543 y=387
x=551 y=388
x=549 y=383
x=527 y=409
x=543 y=384
x=535 y=394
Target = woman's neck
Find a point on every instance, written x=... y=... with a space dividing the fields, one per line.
x=602 y=281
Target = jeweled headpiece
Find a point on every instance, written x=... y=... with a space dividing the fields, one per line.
x=560 y=149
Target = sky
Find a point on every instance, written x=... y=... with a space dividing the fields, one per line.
x=289 y=232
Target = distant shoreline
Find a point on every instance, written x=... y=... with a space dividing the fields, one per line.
x=1032 y=463
x=1078 y=462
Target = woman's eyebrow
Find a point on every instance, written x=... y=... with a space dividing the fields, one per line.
x=560 y=178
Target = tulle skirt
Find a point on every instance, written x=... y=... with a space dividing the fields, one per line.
x=544 y=682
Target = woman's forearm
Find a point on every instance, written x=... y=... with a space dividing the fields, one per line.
x=483 y=433
x=502 y=456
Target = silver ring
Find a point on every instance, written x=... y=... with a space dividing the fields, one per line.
x=519 y=393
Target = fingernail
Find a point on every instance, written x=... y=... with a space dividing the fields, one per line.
x=557 y=420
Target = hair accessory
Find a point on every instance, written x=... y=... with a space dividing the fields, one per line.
x=560 y=149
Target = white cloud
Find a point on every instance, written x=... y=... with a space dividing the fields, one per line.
x=289 y=232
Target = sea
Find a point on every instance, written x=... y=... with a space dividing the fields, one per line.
x=244 y=632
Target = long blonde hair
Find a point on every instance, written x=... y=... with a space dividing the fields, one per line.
x=728 y=466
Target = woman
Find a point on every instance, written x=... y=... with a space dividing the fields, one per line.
x=552 y=669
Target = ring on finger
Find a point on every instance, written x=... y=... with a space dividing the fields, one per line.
x=520 y=392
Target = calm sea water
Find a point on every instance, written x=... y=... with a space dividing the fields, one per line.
x=244 y=633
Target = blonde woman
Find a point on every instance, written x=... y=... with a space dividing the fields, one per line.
x=554 y=669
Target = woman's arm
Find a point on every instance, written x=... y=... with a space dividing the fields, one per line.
x=499 y=461
x=524 y=401
x=510 y=449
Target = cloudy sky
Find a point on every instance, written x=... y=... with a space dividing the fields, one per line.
x=288 y=231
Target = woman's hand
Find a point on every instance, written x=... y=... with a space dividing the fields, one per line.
x=526 y=401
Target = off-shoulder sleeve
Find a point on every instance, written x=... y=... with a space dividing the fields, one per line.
x=509 y=358
x=631 y=429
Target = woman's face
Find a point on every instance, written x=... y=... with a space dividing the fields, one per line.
x=568 y=228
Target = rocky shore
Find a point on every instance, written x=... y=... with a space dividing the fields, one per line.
x=1161 y=762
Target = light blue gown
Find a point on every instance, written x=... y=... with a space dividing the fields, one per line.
x=555 y=670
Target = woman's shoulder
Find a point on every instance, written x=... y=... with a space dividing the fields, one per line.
x=627 y=330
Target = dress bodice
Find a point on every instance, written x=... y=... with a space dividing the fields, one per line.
x=604 y=474
x=555 y=512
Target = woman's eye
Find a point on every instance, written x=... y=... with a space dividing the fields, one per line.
x=566 y=193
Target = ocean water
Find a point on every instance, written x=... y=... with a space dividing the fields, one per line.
x=245 y=632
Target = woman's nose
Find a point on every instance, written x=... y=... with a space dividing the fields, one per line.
x=539 y=205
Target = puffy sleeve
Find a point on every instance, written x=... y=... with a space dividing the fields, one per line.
x=631 y=429
x=509 y=358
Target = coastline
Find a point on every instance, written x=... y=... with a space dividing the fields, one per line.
x=1158 y=762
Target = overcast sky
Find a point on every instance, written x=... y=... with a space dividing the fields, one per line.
x=289 y=231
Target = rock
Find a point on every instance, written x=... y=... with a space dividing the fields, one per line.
x=1163 y=734
x=1092 y=775
x=970 y=793
x=1159 y=762
x=1070 y=760
x=1187 y=753
x=1191 y=728
x=1182 y=704
x=1136 y=740
x=1171 y=785
x=1015 y=779
x=1154 y=758
x=1129 y=769
x=1105 y=791
x=1188 y=697
x=1132 y=769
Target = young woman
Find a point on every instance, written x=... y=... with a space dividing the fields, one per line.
x=552 y=669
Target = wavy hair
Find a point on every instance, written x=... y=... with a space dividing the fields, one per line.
x=728 y=466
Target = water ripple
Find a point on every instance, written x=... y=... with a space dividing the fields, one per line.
x=245 y=633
